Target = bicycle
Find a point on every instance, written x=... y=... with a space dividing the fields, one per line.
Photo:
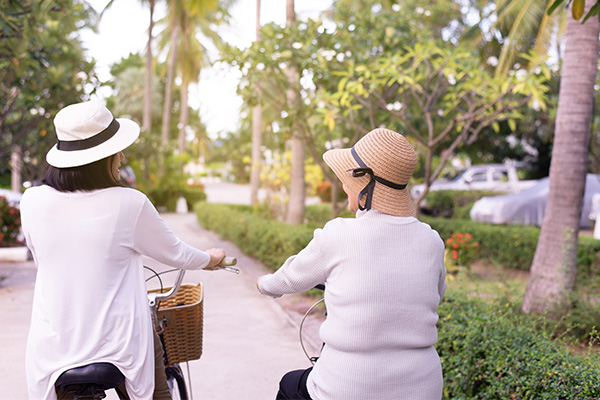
x=93 y=380
x=313 y=359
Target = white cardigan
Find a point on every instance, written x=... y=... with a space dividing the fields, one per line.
x=384 y=277
x=90 y=302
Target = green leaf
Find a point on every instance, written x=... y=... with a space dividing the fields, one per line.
x=593 y=12
x=554 y=6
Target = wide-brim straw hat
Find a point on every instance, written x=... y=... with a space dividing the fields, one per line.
x=88 y=132
x=392 y=161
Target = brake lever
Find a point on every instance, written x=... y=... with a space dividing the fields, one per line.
x=226 y=264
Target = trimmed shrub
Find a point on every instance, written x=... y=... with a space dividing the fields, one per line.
x=493 y=351
x=167 y=198
x=453 y=203
x=510 y=246
x=514 y=246
x=268 y=240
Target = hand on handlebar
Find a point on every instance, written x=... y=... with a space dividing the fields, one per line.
x=219 y=261
x=216 y=256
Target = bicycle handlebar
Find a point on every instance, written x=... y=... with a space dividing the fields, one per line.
x=225 y=264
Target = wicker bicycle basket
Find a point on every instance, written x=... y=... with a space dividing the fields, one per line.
x=182 y=316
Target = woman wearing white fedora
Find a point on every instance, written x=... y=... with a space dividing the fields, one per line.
x=87 y=235
x=384 y=278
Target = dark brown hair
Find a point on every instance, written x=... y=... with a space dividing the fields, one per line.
x=93 y=176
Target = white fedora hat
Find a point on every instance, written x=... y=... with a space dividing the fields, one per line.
x=88 y=132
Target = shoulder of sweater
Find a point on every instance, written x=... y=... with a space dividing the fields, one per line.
x=118 y=191
x=339 y=223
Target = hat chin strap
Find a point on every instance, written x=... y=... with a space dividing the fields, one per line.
x=368 y=190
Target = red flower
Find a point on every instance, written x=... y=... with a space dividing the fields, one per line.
x=455 y=254
x=455 y=246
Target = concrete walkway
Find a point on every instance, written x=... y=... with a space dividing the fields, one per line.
x=250 y=340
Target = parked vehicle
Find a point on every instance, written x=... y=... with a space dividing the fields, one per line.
x=494 y=177
x=527 y=207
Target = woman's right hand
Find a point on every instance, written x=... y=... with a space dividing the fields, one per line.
x=216 y=256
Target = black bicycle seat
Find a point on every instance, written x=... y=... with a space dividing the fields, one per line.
x=103 y=375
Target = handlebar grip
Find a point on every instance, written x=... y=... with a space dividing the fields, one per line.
x=228 y=261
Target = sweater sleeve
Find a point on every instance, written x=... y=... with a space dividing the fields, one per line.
x=154 y=239
x=300 y=272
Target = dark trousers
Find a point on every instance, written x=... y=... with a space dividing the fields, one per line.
x=293 y=385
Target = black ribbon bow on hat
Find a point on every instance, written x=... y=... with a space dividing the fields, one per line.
x=368 y=190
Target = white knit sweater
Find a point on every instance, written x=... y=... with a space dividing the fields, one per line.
x=384 y=277
x=90 y=302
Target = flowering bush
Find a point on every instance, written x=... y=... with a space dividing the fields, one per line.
x=461 y=249
x=324 y=192
x=10 y=223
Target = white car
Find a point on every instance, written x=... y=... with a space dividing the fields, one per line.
x=527 y=207
x=493 y=177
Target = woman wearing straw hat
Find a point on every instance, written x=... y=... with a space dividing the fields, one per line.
x=384 y=276
x=87 y=235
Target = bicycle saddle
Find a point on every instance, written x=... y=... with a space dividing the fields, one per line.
x=104 y=375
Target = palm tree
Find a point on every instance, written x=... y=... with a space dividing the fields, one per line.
x=187 y=55
x=173 y=18
x=147 y=116
x=296 y=207
x=528 y=24
x=256 y=131
x=555 y=261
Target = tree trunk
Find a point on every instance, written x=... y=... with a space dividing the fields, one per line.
x=147 y=118
x=16 y=165
x=169 y=87
x=256 y=131
x=555 y=262
x=296 y=205
x=183 y=116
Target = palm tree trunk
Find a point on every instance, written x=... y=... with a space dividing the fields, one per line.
x=555 y=261
x=166 y=122
x=183 y=116
x=296 y=205
x=256 y=131
x=147 y=118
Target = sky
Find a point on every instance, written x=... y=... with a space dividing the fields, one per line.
x=123 y=30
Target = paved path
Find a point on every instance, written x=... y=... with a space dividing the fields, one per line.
x=250 y=340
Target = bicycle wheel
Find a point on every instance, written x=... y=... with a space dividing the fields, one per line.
x=176 y=383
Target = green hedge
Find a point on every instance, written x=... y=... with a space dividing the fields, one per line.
x=167 y=198
x=514 y=246
x=493 y=351
x=453 y=203
x=268 y=240
x=510 y=246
